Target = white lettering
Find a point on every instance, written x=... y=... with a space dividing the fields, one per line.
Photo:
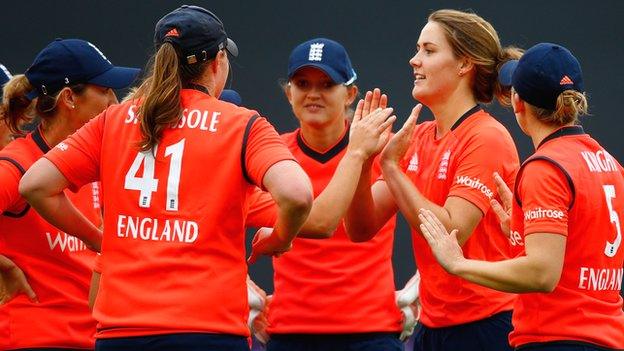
x=539 y=213
x=198 y=119
x=600 y=278
x=214 y=121
x=148 y=229
x=600 y=161
x=515 y=238
x=65 y=242
x=476 y=184
x=131 y=117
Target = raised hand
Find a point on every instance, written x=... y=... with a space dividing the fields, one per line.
x=444 y=246
x=400 y=142
x=372 y=101
x=369 y=134
x=267 y=242
x=503 y=212
x=13 y=282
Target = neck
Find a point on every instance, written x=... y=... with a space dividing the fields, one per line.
x=539 y=131
x=55 y=130
x=447 y=112
x=321 y=139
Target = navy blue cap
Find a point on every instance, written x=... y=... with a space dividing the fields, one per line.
x=231 y=96
x=542 y=73
x=5 y=75
x=326 y=55
x=67 y=62
x=196 y=32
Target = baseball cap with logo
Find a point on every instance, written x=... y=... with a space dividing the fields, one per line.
x=325 y=54
x=67 y=62
x=196 y=32
x=5 y=75
x=542 y=73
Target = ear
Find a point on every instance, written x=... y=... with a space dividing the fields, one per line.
x=287 y=92
x=66 y=98
x=219 y=60
x=352 y=93
x=517 y=103
x=466 y=65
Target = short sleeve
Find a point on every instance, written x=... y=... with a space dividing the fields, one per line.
x=78 y=156
x=486 y=152
x=263 y=148
x=262 y=209
x=545 y=195
x=10 y=177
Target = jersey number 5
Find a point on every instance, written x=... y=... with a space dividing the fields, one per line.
x=612 y=247
x=147 y=184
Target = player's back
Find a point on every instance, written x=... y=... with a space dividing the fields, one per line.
x=173 y=249
x=588 y=292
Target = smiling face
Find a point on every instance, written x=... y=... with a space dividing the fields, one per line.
x=436 y=69
x=316 y=100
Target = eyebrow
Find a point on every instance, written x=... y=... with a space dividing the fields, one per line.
x=426 y=43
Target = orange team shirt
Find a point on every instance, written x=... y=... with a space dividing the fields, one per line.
x=462 y=164
x=328 y=286
x=173 y=252
x=572 y=187
x=57 y=265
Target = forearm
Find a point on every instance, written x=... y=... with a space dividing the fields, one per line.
x=331 y=205
x=61 y=213
x=518 y=275
x=361 y=220
x=409 y=199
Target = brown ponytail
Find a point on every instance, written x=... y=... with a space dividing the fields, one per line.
x=16 y=107
x=571 y=104
x=160 y=92
x=474 y=38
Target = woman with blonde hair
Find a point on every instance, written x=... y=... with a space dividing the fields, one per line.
x=69 y=83
x=446 y=165
x=565 y=212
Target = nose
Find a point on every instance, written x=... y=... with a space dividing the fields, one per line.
x=414 y=61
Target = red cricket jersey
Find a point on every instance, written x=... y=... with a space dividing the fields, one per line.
x=57 y=265
x=571 y=186
x=173 y=252
x=462 y=164
x=330 y=286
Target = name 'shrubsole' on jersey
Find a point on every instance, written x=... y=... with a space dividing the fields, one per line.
x=193 y=119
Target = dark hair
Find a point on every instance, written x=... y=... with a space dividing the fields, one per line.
x=18 y=109
x=160 y=93
x=473 y=37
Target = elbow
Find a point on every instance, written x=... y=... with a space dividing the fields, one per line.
x=29 y=187
x=546 y=284
x=545 y=280
x=359 y=235
x=298 y=201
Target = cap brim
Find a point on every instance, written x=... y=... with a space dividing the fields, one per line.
x=116 y=77
x=506 y=72
x=332 y=73
x=231 y=47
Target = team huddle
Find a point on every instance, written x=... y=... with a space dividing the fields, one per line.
x=122 y=224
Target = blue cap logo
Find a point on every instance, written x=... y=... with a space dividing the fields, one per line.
x=325 y=54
